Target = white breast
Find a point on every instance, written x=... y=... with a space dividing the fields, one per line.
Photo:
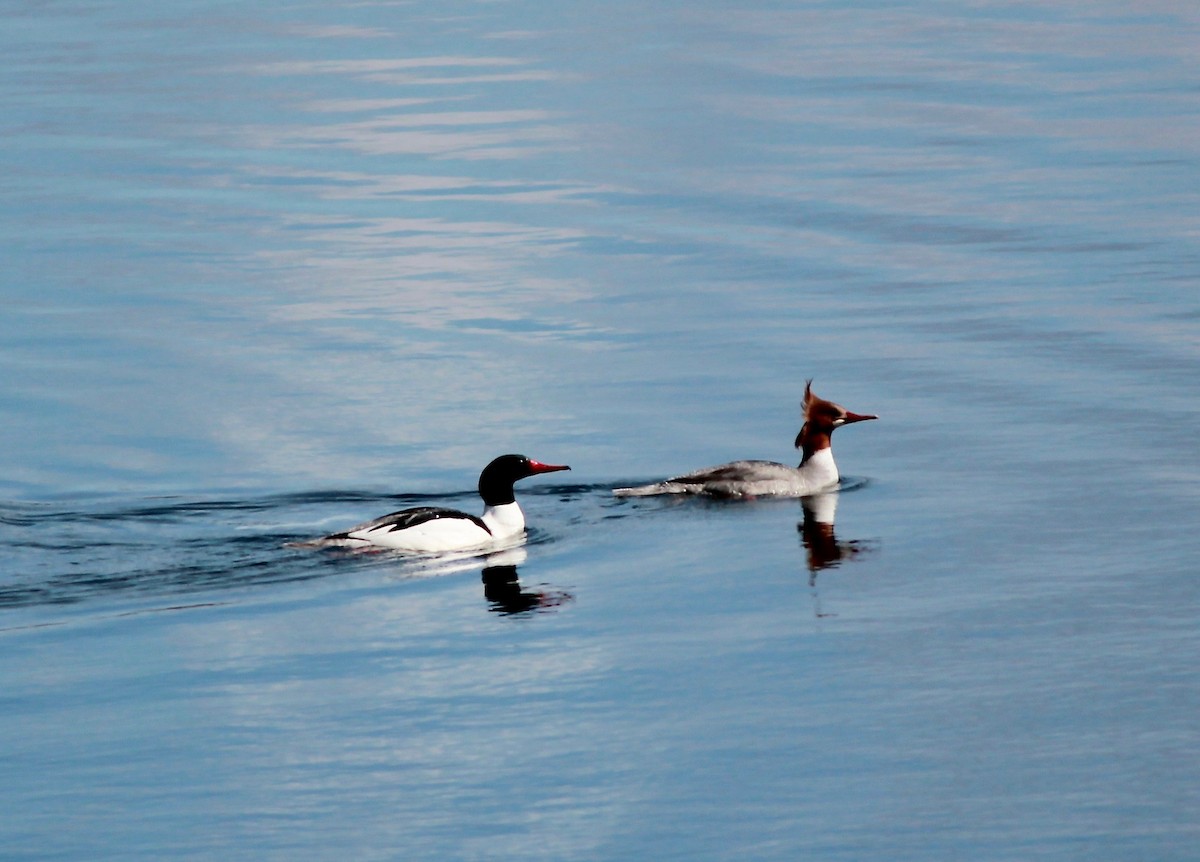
x=819 y=472
x=505 y=520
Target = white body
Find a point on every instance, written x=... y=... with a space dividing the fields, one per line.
x=750 y=479
x=505 y=522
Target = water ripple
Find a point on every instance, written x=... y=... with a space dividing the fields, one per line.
x=69 y=554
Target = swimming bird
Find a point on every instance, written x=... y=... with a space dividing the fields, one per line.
x=816 y=472
x=433 y=529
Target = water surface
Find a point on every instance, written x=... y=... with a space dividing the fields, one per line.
x=272 y=270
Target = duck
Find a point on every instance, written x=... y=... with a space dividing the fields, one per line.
x=433 y=529
x=748 y=479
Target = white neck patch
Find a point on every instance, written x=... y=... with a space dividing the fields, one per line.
x=819 y=470
x=504 y=520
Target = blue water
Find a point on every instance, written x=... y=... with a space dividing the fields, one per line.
x=273 y=269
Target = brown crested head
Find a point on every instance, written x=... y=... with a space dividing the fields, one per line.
x=821 y=417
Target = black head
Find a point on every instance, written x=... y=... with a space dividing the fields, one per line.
x=496 y=480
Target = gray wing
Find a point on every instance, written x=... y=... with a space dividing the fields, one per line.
x=737 y=471
x=735 y=479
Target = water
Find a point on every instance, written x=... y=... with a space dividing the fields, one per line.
x=272 y=269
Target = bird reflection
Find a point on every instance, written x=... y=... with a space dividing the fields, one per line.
x=818 y=536
x=502 y=587
x=820 y=540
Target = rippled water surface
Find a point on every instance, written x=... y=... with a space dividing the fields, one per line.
x=273 y=269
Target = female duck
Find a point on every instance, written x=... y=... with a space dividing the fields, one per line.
x=816 y=472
